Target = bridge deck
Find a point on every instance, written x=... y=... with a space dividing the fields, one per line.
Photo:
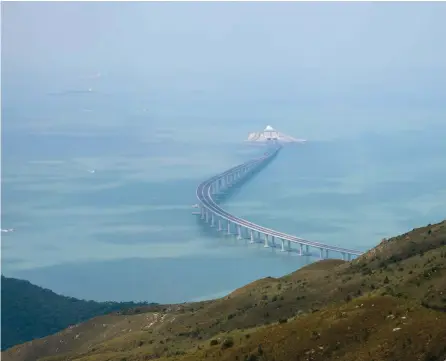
x=205 y=197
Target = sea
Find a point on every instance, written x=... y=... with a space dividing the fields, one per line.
x=98 y=186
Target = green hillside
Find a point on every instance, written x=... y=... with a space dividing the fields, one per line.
x=30 y=312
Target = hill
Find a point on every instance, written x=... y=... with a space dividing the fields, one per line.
x=30 y=312
x=387 y=304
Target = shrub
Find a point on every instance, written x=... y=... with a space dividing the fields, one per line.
x=231 y=315
x=227 y=343
x=213 y=342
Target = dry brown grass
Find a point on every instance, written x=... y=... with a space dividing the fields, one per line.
x=366 y=329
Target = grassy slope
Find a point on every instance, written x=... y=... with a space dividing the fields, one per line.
x=405 y=277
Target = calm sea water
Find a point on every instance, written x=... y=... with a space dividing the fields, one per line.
x=125 y=231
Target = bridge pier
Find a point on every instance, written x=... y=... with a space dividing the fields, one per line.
x=321 y=253
x=219 y=224
x=229 y=227
x=273 y=241
x=307 y=250
x=289 y=245
x=212 y=220
x=283 y=245
x=251 y=234
x=239 y=231
x=266 y=240
x=301 y=250
x=326 y=253
x=349 y=257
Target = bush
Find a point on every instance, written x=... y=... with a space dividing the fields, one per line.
x=213 y=342
x=283 y=320
x=227 y=343
x=231 y=315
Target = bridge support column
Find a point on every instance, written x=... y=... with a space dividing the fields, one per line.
x=239 y=231
x=349 y=257
x=273 y=241
x=207 y=216
x=202 y=210
x=266 y=241
x=307 y=250
x=283 y=245
x=301 y=250
x=229 y=227
x=326 y=253
x=289 y=246
x=219 y=224
x=251 y=234
x=212 y=220
x=321 y=253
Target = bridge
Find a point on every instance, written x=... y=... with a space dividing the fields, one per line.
x=213 y=214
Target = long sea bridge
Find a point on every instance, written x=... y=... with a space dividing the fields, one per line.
x=213 y=214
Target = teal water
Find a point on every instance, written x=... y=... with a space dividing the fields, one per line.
x=125 y=232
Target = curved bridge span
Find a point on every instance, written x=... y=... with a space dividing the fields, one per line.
x=213 y=214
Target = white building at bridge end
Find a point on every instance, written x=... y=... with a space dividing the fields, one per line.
x=269 y=134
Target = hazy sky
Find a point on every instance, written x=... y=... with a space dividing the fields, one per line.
x=305 y=45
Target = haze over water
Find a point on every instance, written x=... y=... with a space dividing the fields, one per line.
x=179 y=89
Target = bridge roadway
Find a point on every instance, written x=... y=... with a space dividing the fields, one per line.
x=225 y=180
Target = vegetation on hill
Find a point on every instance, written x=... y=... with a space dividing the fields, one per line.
x=387 y=304
x=30 y=312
